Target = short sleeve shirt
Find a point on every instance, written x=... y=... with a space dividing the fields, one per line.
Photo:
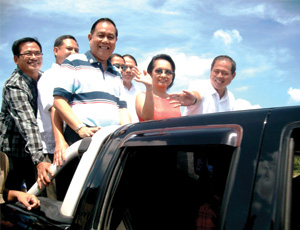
x=93 y=94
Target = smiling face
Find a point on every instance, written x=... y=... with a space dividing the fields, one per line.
x=221 y=76
x=127 y=74
x=103 y=41
x=29 y=64
x=162 y=74
x=68 y=47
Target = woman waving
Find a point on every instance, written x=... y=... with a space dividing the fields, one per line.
x=154 y=104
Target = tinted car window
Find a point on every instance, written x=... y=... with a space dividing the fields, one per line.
x=296 y=179
x=170 y=187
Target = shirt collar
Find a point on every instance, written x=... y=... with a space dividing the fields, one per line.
x=93 y=60
x=110 y=67
x=55 y=66
x=27 y=78
x=213 y=91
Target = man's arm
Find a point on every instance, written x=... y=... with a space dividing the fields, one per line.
x=24 y=116
x=28 y=200
x=186 y=98
x=60 y=142
x=67 y=114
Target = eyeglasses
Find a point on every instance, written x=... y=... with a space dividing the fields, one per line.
x=166 y=71
x=120 y=66
x=30 y=54
x=128 y=66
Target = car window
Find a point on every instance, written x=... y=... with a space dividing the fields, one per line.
x=170 y=187
x=295 y=213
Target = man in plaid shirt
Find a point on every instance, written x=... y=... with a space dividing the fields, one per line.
x=20 y=138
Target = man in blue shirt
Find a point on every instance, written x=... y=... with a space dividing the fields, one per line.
x=89 y=95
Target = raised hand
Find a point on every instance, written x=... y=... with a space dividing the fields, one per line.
x=186 y=98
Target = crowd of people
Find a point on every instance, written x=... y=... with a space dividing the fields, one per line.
x=44 y=113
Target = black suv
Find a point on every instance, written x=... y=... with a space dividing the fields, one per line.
x=232 y=170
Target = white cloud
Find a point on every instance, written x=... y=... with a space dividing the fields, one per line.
x=294 y=94
x=4 y=46
x=241 y=104
x=188 y=68
x=253 y=72
x=228 y=36
x=93 y=7
x=276 y=11
x=242 y=89
x=258 y=10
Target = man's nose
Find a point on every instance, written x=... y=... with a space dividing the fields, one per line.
x=220 y=75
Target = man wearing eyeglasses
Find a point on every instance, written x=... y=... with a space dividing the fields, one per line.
x=131 y=90
x=125 y=64
x=20 y=138
x=118 y=61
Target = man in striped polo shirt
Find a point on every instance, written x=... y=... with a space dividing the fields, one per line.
x=88 y=95
x=88 y=92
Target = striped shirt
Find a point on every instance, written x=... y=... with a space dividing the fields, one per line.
x=93 y=94
x=19 y=132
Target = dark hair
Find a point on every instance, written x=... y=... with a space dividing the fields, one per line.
x=115 y=55
x=16 y=45
x=103 y=20
x=224 y=57
x=130 y=56
x=59 y=41
x=162 y=57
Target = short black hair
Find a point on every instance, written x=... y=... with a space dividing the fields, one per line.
x=115 y=55
x=16 y=45
x=130 y=56
x=163 y=57
x=103 y=20
x=59 y=41
x=224 y=57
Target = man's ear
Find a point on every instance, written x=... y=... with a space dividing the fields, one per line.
x=16 y=59
x=89 y=36
x=55 y=50
x=233 y=75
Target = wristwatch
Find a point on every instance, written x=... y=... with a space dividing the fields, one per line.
x=79 y=127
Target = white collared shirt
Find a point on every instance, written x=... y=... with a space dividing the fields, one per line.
x=45 y=87
x=211 y=101
x=130 y=96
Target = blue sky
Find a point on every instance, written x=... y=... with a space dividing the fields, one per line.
x=262 y=36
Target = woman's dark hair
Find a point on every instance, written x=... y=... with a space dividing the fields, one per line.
x=162 y=57
x=16 y=45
